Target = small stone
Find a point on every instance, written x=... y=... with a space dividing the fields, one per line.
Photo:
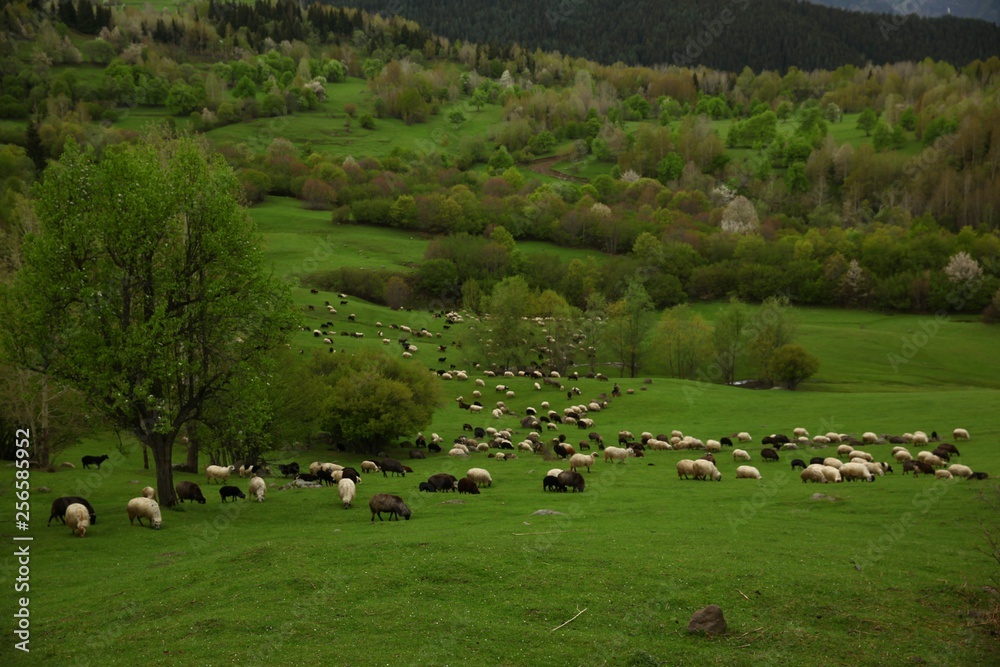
x=545 y=512
x=708 y=621
x=453 y=502
x=66 y=464
x=43 y=489
x=823 y=496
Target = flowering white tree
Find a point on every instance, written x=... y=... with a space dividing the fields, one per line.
x=506 y=80
x=740 y=217
x=962 y=268
x=602 y=210
x=630 y=176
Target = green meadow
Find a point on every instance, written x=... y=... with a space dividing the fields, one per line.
x=891 y=572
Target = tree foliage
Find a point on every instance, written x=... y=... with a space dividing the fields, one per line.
x=791 y=364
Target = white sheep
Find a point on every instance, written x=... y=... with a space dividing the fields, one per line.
x=676 y=434
x=833 y=462
x=480 y=382
x=257 y=488
x=456 y=451
x=853 y=471
x=139 y=508
x=860 y=454
x=743 y=436
x=526 y=446
x=813 y=473
x=920 y=438
x=613 y=454
x=78 y=519
x=705 y=469
x=874 y=468
x=943 y=474
x=477 y=394
x=834 y=437
x=475 y=408
x=832 y=474
x=741 y=455
x=369 y=466
x=960 y=434
x=869 y=438
x=407 y=355
x=902 y=455
x=800 y=432
x=445 y=376
x=713 y=446
x=483 y=447
x=685 y=468
x=149 y=492
x=480 y=476
x=500 y=456
x=747 y=472
x=219 y=473
x=510 y=393
x=461 y=376
x=844 y=450
x=331 y=467
x=346 y=489
x=582 y=461
x=959 y=470
x=315 y=467
x=821 y=440
x=554 y=472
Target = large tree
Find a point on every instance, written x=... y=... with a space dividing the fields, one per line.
x=626 y=330
x=154 y=273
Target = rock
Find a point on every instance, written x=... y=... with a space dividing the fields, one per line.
x=823 y=496
x=453 y=502
x=708 y=621
x=66 y=464
x=42 y=489
x=545 y=512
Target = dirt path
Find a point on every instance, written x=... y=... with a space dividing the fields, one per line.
x=543 y=165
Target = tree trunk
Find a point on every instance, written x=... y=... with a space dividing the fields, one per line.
x=145 y=457
x=162 y=446
x=192 y=455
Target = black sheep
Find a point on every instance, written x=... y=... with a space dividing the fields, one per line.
x=393 y=466
x=384 y=502
x=466 y=485
x=325 y=476
x=94 y=460
x=816 y=459
x=351 y=474
x=59 y=506
x=799 y=463
x=434 y=448
x=187 y=490
x=417 y=454
x=289 y=469
x=442 y=481
x=231 y=492
x=725 y=442
x=552 y=482
x=572 y=479
x=428 y=487
x=768 y=454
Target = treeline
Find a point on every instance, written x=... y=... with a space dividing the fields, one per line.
x=723 y=34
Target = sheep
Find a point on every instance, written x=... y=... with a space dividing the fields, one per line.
x=369 y=466
x=442 y=481
x=798 y=463
x=289 y=469
x=149 y=492
x=713 y=446
x=572 y=479
x=743 y=436
x=960 y=434
x=139 y=508
x=920 y=438
x=384 y=502
x=480 y=382
x=231 y=492
x=874 y=468
x=480 y=476
x=391 y=465
x=854 y=471
x=94 y=460
x=704 y=469
x=78 y=519
x=552 y=482
x=813 y=473
x=741 y=455
x=346 y=489
x=833 y=462
x=768 y=454
x=959 y=470
x=466 y=485
x=860 y=454
x=950 y=448
x=844 y=450
x=615 y=454
x=800 y=432
x=582 y=460
x=869 y=438
x=902 y=455
x=832 y=474
x=943 y=474
x=257 y=488
x=747 y=472
x=221 y=474
x=457 y=451
x=685 y=468
x=189 y=491
x=59 y=506
x=833 y=437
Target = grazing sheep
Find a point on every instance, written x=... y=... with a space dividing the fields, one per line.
x=149 y=492
x=139 y=508
x=346 y=489
x=832 y=474
x=221 y=473
x=844 y=450
x=713 y=446
x=392 y=465
x=257 y=488
x=94 y=460
x=685 y=468
x=798 y=463
x=189 y=491
x=442 y=481
x=59 y=506
x=572 y=479
x=741 y=455
x=231 y=492
x=78 y=519
x=466 y=485
x=480 y=476
x=920 y=438
x=950 y=448
x=615 y=454
x=582 y=460
x=854 y=471
x=552 y=482
x=704 y=469
x=869 y=438
x=959 y=470
x=458 y=451
x=902 y=455
x=943 y=474
x=289 y=469
x=960 y=434
x=768 y=454
x=743 y=436
x=813 y=473
x=426 y=486
x=369 y=466
x=384 y=502
x=747 y=472
x=800 y=432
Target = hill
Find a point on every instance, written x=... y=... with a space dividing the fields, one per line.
x=724 y=34
x=986 y=10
